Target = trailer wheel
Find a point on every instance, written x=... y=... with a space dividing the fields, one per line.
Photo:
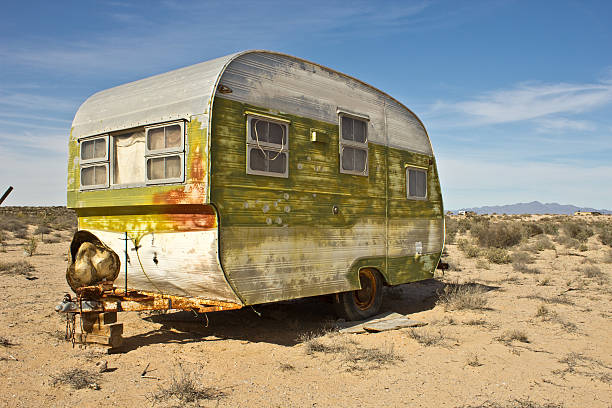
x=363 y=303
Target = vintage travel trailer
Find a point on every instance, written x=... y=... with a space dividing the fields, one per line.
x=251 y=178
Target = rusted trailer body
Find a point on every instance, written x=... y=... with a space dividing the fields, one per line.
x=253 y=178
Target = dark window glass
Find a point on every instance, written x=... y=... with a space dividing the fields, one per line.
x=267 y=160
x=268 y=132
x=354 y=159
x=417 y=183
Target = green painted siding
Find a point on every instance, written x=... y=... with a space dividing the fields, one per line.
x=279 y=238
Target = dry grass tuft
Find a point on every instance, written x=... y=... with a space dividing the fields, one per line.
x=594 y=272
x=362 y=358
x=286 y=367
x=324 y=342
x=560 y=300
x=4 y=342
x=428 y=338
x=577 y=363
x=513 y=335
x=473 y=361
x=78 y=379
x=456 y=296
x=548 y=315
x=17 y=268
x=482 y=264
x=517 y=403
x=184 y=388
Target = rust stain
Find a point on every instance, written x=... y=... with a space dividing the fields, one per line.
x=117 y=300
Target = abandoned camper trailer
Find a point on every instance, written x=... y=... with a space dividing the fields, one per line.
x=252 y=178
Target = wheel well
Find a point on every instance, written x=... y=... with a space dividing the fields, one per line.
x=384 y=279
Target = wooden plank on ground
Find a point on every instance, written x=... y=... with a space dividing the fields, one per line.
x=381 y=322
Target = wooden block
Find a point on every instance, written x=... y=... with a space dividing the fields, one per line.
x=104 y=330
x=112 y=341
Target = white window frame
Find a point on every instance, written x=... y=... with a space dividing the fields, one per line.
x=422 y=170
x=255 y=144
x=167 y=152
x=94 y=186
x=96 y=161
x=355 y=145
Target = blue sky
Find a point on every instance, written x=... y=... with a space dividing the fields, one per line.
x=516 y=95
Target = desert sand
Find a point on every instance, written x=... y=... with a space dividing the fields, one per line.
x=539 y=336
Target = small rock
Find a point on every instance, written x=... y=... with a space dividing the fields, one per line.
x=102 y=366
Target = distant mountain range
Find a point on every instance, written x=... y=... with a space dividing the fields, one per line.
x=534 y=207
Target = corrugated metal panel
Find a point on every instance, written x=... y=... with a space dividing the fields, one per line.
x=173 y=95
x=291 y=85
x=263 y=78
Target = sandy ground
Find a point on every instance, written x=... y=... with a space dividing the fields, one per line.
x=252 y=361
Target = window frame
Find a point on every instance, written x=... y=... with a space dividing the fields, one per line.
x=422 y=170
x=97 y=161
x=342 y=143
x=166 y=152
x=106 y=138
x=94 y=186
x=254 y=144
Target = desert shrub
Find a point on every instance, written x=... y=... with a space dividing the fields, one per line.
x=11 y=223
x=52 y=240
x=463 y=225
x=16 y=268
x=543 y=242
x=550 y=228
x=3 y=238
x=78 y=379
x=30 y=246
x=451 y=228
x=498 y=235
x=531 y=229
x=42 y=229
x=366 y=358
x=578 y=231
x=456 y=296
x=567 y=241
x=469 y=250
x=21 y=233
x=512 y=335
x=482 y=264
x=185 y=388
x=427 y=337
x=522 y=257
x=524 y=268
x=583 y=247
x=497 y=256
x=605 y=235
x=594 y=272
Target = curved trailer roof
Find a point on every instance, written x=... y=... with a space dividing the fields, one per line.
x=189 y=91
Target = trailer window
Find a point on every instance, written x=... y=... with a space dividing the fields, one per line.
x=267 y=147
x=416 y=183
x=165 y=153
x=353 y=145
x=94 y=162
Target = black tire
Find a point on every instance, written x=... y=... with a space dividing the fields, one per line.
x=363 y=303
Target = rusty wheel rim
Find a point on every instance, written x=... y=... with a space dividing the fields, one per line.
x=364 y=298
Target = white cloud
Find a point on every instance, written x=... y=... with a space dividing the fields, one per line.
x=547 y=125
x=527 y=101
